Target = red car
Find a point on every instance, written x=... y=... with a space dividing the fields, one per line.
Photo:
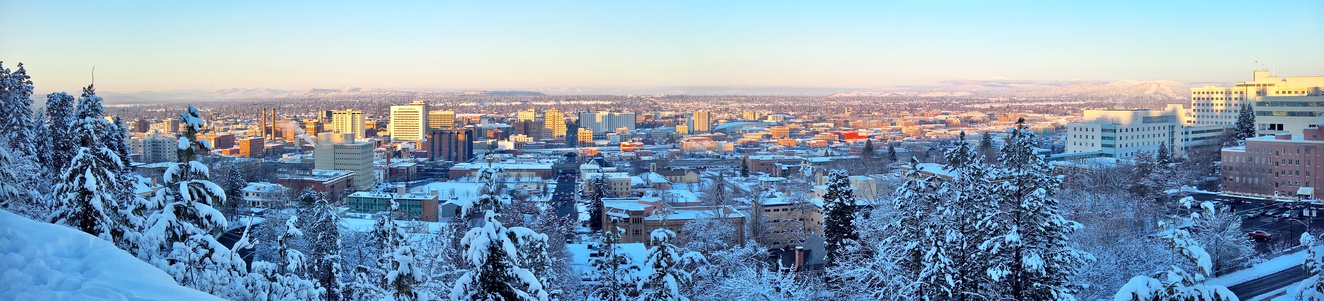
x=1260 y=234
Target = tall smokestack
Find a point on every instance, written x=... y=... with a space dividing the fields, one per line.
x=262 y=120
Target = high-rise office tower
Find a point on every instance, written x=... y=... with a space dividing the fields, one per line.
x=702 y=122
x=339 y=151
x=554 y=121
x=409 y=122
x=348 y=122
x=1281 y=104
x=450 y=144
x=441 y=119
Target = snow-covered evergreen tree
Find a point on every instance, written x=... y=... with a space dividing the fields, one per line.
x=1177 y=283
x=324 y=249
x=891 y=153
x=867 y=151
x=595 y=205
x=615 y=270
x=234 y=185
x=910 y=237
x=365 y=286
x=292 y=261
x=403 y=272
x=838 y=215
x=17 y=188
x=186 y=225
x=62 y=147
x=666 y=261
x=1312 y=289
x=489 y=196
x=1032 y=257
x=1245 y=126
x=987 y=150
x=399 y=269
x=86 y=197
x=954 y=266
x=16 y=111
x=491 y=251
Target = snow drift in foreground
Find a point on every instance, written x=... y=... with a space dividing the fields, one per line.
x=41 y=261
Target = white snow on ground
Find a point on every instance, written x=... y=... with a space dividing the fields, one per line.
x=1263 y=269
x=42 y=261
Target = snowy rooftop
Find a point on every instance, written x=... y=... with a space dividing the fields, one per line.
x=581 y=256
x=448 y=189
x=689 y=213
x=504 y=165
x=263 y=187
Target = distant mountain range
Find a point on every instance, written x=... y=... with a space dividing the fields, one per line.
x=1130 y=90
x=1122 y=90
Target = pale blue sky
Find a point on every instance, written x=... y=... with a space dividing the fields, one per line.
x=166 y=45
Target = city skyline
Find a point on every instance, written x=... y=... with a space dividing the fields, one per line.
x=631 y=46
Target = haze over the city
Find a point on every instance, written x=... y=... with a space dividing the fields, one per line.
x=565 y=48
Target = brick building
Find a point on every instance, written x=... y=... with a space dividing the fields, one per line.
x=1280 y=166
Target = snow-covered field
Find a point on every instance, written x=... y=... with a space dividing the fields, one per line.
x=42 y=261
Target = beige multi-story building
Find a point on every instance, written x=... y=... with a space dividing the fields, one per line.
x=779 y=132
x=339 y=151
x=788 y=222
x=441 y=119
x=585 y=135
x=348 y=122
x=1282 y=104
x=529 y=115
x=702 y=122
x=1123 y=133
x=155 y=149
x=554 y=122
x=409 y=122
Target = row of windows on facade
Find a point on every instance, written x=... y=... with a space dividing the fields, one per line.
x=1284 y=151
x=1215 y=98
x=1259 y=181
x=1217 y=92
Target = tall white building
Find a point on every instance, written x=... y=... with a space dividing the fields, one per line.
x=1123 y=133
x=602 y=123
x=409 y=122
x=348 y=122
x=339 y=151
x=1282 y=104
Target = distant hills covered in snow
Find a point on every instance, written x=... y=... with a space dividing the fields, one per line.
x=1133 y=90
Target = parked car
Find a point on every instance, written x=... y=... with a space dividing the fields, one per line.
x=1260 y=234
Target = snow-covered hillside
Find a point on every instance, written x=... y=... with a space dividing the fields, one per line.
x=42 y=261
